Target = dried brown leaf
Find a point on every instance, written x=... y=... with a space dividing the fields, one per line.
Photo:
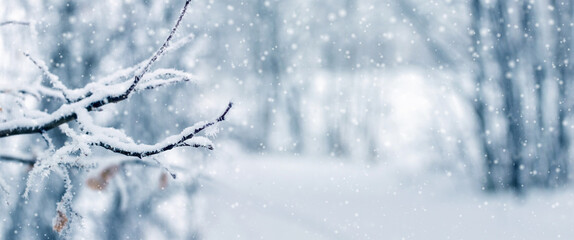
x=163 y=181
x=96 y=183
x=109 y=172
x=60 y=221
x=101 y=181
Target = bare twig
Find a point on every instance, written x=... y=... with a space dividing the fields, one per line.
x=8 y=158
x=173 y=175
x=14 y=23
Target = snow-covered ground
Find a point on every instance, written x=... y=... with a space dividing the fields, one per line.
x=291 y=198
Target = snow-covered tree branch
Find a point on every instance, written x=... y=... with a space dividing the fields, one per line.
x=74 y=118
x=79 y=102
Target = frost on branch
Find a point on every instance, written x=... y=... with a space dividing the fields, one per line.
x=60 y=222
x=65 y=213
x=73 y=118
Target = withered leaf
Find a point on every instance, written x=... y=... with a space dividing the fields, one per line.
x=101 y=181
x=60 y=221
x=163 y=181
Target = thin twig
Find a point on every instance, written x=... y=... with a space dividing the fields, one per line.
x=160 y=51
x=49 y=142
x=8 y=158
x=14 y=23
x=15 y=92
x=173 y=175
x=54 y=80
x=167 y=146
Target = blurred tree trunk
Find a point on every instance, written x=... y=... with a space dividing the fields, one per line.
x=267 y=63
x=534 y=65
x=479 y=102
x=438 y=52
x=505 y=54
x=562 y=16
x=270 y=62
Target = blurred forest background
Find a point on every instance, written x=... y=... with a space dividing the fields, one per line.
x=476 y=90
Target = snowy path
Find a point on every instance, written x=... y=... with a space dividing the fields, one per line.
x=292 y=199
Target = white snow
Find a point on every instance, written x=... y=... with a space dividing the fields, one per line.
x=290 y=198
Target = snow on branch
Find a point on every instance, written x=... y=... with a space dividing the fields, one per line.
x=163 y=77
x=37 y=91
x=184 y=139
x=54 y=80
x=93 y=96
x=85 y=134
x=77 y=103
x=126 y=73
x=159 y=52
